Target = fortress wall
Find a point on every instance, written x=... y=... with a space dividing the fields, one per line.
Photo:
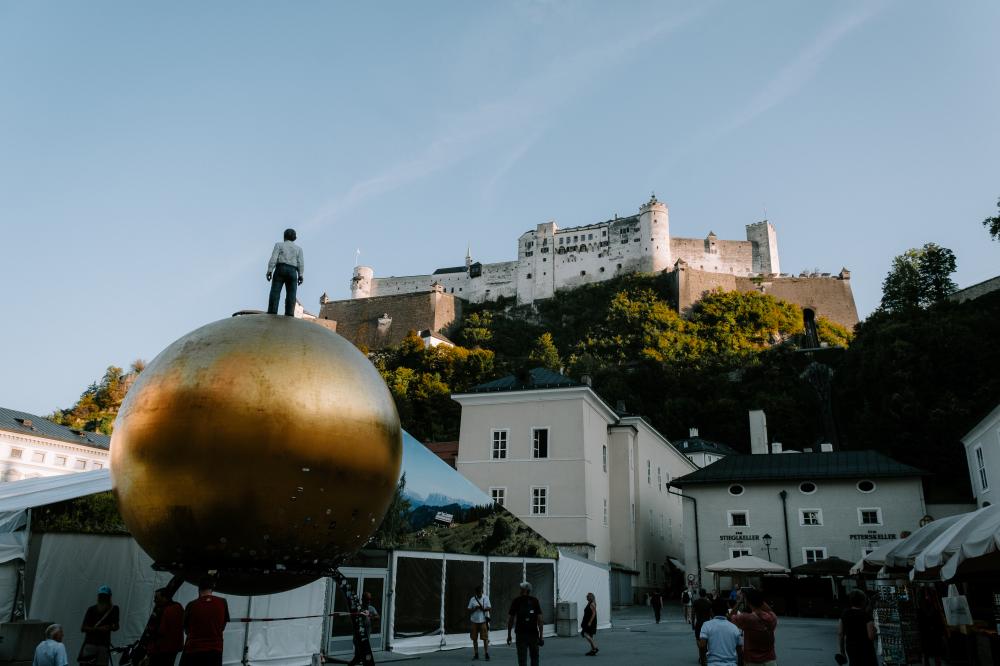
x=733 y=257
x=829 y=297
x=357 y=319
x=976 y=290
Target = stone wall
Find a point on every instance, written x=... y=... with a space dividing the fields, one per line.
x=976 y=290
x=383 y=321
x=827 y=296
x=715 y=256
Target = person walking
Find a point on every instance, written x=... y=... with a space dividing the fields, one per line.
x=51 y=651
x=525 y=619
x=167 y=630
x=656 y=601
x=98 y=622
x=370 y=613
x=758 y=624
x=686 y=605
x=701 y=612
x=479 y=604
x=205 y=619
x=933 y=628
x=856 y=632
x=588 y=626
x=285 y=269
x=720 y=641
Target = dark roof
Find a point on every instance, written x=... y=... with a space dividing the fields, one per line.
x=700 y=444
x=811 y=466
x=453 y=269
x=538 y=378
x=14 y=421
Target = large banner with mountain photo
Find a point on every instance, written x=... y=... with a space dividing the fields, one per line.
x=437 y=509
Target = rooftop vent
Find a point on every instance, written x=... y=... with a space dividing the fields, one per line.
x=586 y=380
x=826 y=447
x=692 y=432
x=27 y=423
x=775 y=447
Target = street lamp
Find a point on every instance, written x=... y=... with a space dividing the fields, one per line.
x=767 y=545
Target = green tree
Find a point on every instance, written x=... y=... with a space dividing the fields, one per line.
x=737 y=323
x=992 y=224
x=544 y=352
x=98 y=405
x=919 y=278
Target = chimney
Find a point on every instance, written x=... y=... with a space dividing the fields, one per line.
x=586 y=380
x=826 y=447
x=692 y=432
x=775 y=447
x=620 y=407
x=808 y=449
x=758 y=431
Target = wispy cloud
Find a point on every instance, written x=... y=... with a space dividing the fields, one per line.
x=795 y=74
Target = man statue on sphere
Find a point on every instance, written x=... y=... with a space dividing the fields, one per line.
x=285 y=269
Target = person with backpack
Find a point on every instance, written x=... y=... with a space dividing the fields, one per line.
x=686 y=605
x=99 y=621
x=525 y=620
x=758 y=625
x=479 y=604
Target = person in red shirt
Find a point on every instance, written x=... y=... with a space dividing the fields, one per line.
x=167 y=638
x=758 y=630
x=205 y=619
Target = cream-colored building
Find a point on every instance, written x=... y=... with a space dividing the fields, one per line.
x=982 y=451
x=585 y=477
x=31 y=446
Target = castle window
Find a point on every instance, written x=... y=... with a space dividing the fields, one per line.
x=583 y=272
x=529 y=276
x=590 y=236
x=604 y=233
x=619 y=265
x=602 y=269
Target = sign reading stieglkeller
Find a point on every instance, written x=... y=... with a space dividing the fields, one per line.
x=739 y=536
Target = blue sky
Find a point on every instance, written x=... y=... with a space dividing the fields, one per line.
x=427 y=474
x=151 y=153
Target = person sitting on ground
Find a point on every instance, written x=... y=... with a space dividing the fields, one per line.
x=758 y=625
x=479 y=604
x=588 y=626
x=98 y=622
x=720 y=641
x=51 y=651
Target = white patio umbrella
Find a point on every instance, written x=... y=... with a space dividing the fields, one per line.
x=746 y=564
x=903 y=552
x=874 y=560
x=972 y=535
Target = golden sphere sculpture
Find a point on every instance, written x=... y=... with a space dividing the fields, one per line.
x=264 y=447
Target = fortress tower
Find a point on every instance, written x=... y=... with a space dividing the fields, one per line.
x=765 y=248
x=654 y=236
x=361 y=283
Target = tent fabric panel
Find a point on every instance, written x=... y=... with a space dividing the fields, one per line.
x=417 y=598
x=286 y=642
x=12 y=546
x=505 y=579
x=461 y=577
x=577 y=577
x=903 y=552
x=8 y=587
x=542 y=576
x=745 y=564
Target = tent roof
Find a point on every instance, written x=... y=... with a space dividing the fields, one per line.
x=21 y=495
x=746 y=564
x=972 y=535
x=901 y=556
x=830 y=566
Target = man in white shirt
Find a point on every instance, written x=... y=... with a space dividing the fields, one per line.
x=286 y=267
x=720 y=640
x=479 y=604
x=51 y=651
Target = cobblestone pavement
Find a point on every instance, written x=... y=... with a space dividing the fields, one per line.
x=636 y=639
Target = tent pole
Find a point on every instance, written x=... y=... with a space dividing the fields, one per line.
x=246 y=633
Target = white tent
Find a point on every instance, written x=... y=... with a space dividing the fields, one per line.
x=577 y=577
x=746 y=564
x=971 y=535
x=69 y=568
x=874 y=560
x=903 y=552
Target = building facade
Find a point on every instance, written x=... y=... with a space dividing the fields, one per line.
x=795 y=508
x=31 y=446
x=982 y=451
x=553 y=453
x=702 y=451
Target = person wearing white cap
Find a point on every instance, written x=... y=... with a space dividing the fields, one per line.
x=99 y=621
x=525 y=620
x=51 y=651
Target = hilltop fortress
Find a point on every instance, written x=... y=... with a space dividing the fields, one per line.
x=551 y=258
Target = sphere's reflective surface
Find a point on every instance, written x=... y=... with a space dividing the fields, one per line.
x=263 y=446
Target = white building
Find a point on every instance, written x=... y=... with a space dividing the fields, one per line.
x=551 y=258
x=586 y=478
x=702 y=451
x=795 y=508
x=31 y=446
x=982 y=451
